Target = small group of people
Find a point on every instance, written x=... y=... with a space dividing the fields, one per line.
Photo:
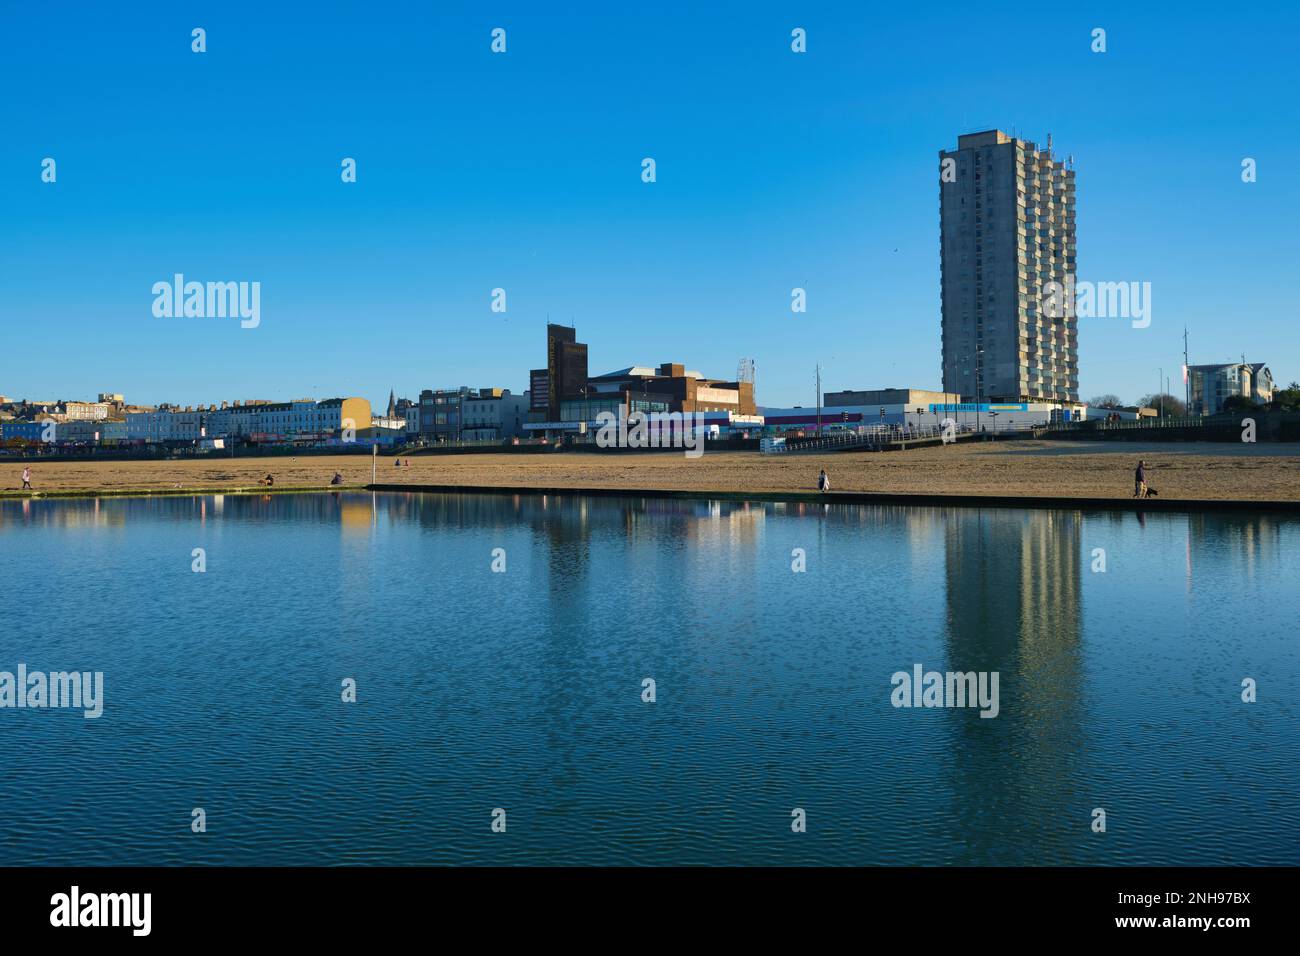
x=268 y=480
x=823 y=481
x=398 y=463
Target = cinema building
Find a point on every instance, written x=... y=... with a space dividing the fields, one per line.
x=567 y=400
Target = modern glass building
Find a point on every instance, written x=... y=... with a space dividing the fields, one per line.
x=1210 y=386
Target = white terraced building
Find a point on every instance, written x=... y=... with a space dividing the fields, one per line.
x=301 y=418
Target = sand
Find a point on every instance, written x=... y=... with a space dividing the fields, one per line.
x=1265 y=471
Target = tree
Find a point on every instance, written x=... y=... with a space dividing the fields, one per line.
x=1288 y=397
x=1173 y=407
x=1105 y=401
x=1239 y=403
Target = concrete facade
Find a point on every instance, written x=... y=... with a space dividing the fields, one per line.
x=494 y=414
x=469 y=414
x=1007 y=230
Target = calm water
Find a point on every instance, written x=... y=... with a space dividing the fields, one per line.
x=522 y=690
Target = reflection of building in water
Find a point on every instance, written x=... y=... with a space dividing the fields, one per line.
x=730 y=526
x=563 y=523
x=81 y=512
x=356 y=513
x=698 y=543
x=569 y=520
x=572 y=528
x=1013 y=586
x=1014 y=607
x=1241 y=545
x=560 y=521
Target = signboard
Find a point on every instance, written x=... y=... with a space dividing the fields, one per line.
x=552 y=369
x=978 y=407
x=552 y=426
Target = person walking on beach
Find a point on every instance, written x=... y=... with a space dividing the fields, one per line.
x=27 y=479
x=823 y=481
x=1140 y=480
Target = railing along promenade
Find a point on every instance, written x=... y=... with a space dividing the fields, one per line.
x=882 y=437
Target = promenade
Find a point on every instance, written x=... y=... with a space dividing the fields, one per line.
x=1005 y=469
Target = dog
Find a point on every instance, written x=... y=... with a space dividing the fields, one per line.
x=1151 y=492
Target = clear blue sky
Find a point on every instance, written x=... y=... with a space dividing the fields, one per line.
x=522 y=171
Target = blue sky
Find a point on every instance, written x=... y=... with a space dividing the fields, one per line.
x=522 y=171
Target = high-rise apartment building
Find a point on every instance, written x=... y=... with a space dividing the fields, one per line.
x=1006 y=211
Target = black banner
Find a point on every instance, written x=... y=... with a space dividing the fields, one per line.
x=213 y=905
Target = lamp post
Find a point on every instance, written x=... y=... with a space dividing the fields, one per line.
x=586 y=403
x=819 y=401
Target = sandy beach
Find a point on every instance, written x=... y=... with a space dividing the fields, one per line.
x=1025 y=468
